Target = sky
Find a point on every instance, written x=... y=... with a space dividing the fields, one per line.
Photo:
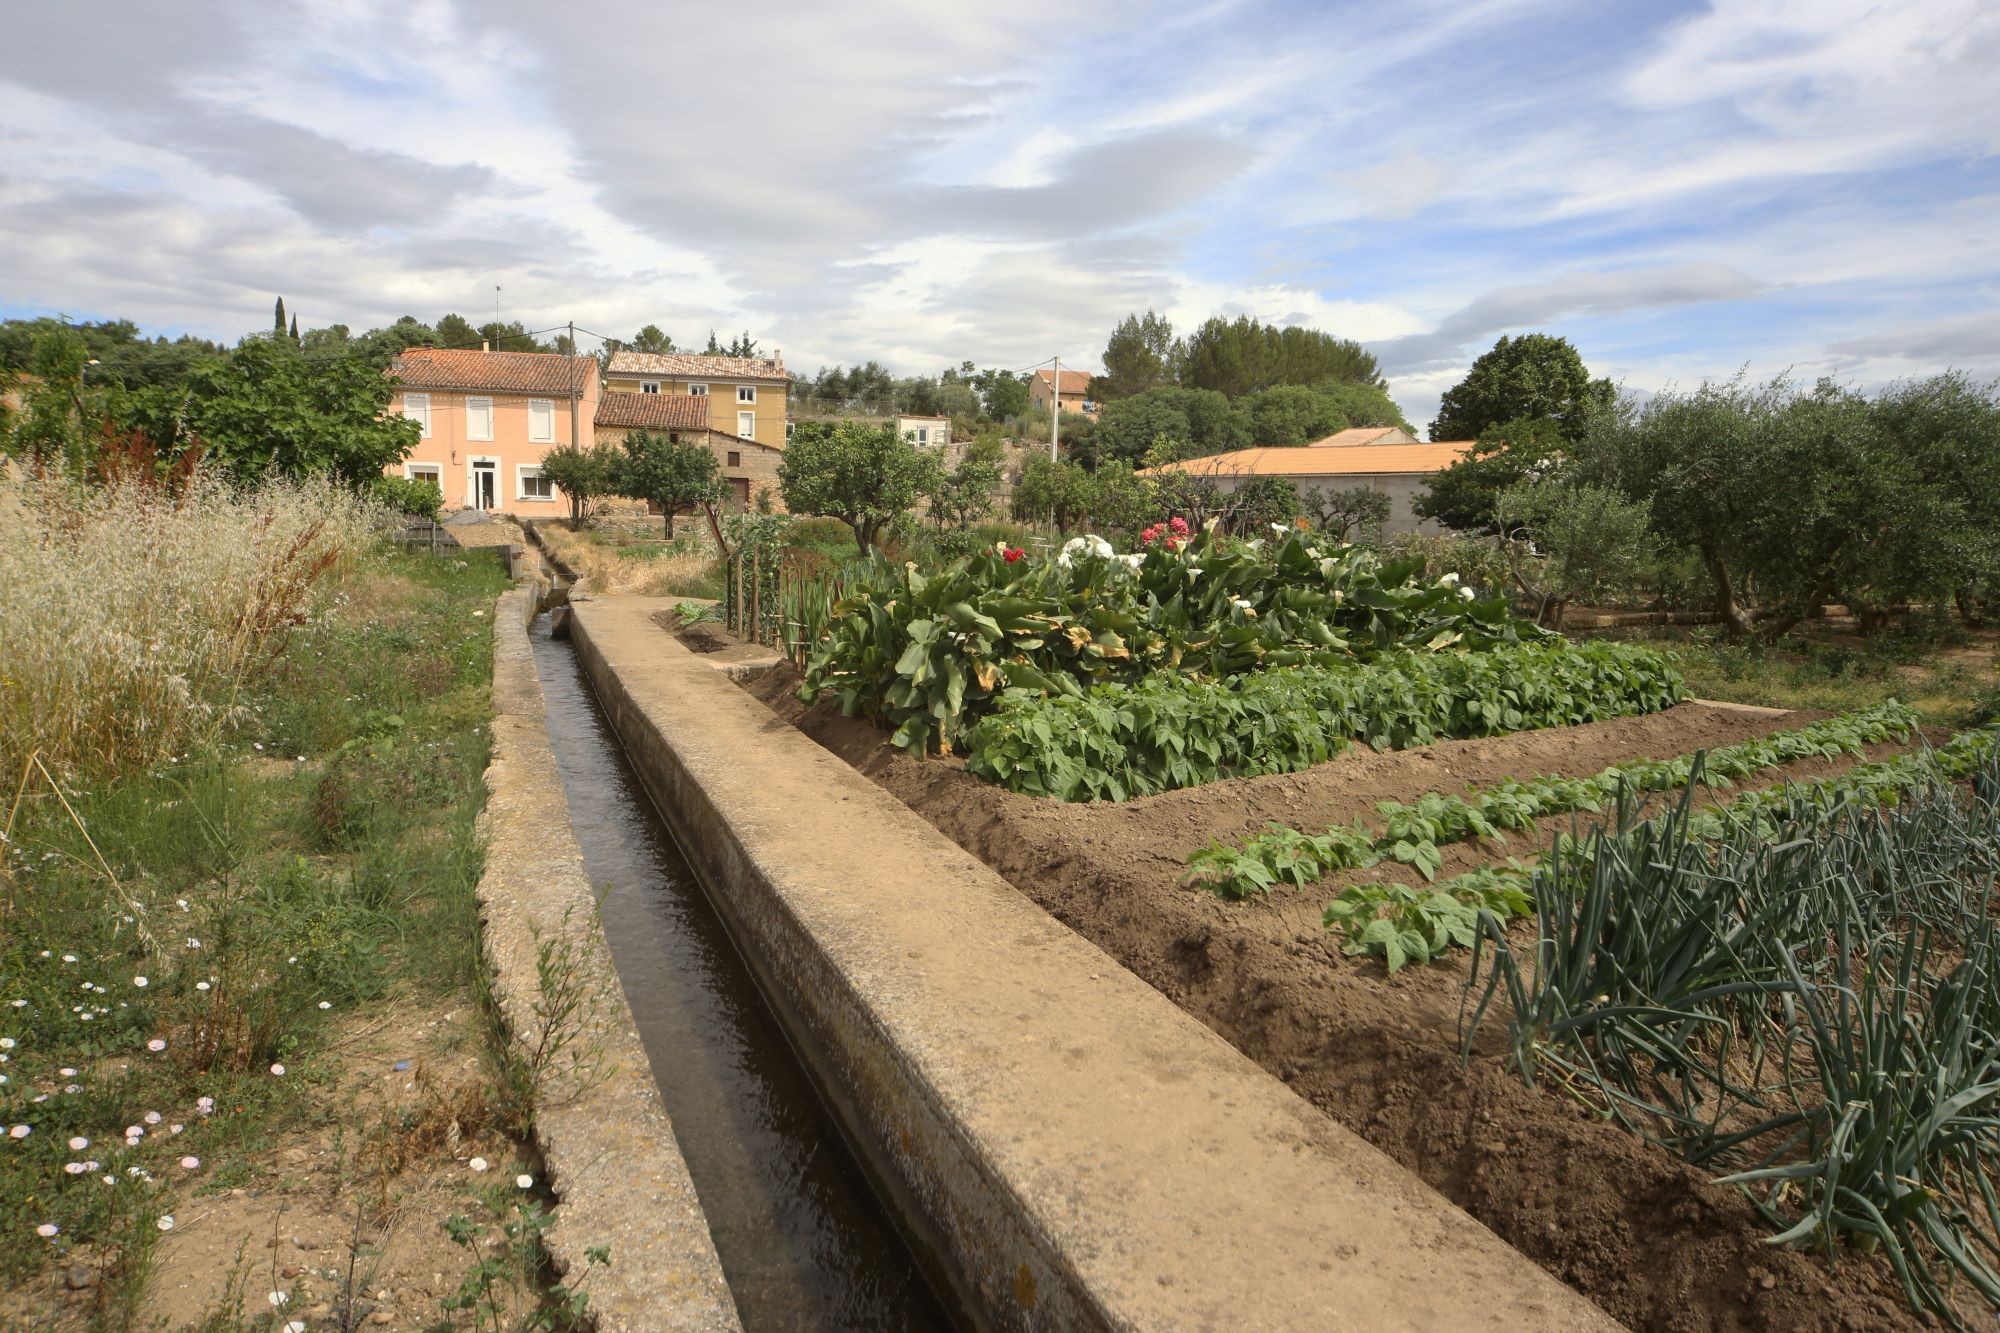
x=1685 y=191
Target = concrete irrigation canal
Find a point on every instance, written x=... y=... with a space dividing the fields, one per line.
x=863 y=1082
x=801 y=1238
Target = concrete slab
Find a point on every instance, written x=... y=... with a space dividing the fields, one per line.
x=1068 y=1148
x=607 y=1143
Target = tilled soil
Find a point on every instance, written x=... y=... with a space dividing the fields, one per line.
x=1643 y=1234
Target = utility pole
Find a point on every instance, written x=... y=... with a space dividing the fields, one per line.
x=1055 y=409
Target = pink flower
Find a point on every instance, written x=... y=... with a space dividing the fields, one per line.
x=157 y=1044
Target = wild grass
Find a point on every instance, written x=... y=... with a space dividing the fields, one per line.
x=177 y=945
x=611 y=558
x=135 y=618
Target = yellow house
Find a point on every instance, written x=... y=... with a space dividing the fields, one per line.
x=1075 y=391
x=746 y=394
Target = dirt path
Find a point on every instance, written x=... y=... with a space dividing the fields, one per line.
x=1640 y=1232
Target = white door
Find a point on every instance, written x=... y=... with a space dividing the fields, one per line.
x=484 y=489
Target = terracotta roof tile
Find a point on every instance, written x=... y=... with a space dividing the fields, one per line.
x=499 y=372
x=1363 y=435
x=681 y=365
x=652 y=411
x=1073 y=381
x=1328 y=460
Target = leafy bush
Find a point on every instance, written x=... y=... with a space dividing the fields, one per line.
x=1169 y=731
x=928 y=654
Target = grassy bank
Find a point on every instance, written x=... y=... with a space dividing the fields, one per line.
x=181 y=945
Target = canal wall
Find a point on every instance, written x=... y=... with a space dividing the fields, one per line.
x=606 y=1142
x=1066 y=1147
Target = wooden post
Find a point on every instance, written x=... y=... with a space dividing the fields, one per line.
x=756 y=591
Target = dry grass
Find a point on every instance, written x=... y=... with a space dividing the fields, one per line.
x=610 y=568
x=133 y=617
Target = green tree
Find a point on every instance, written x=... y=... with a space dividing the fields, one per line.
x=1569 y=543
x=583 y=476
x=457 y=331
x=266 y=407
x=1121 y=500
x=1461 y=496
x=1295 y=414
x=1198 y=422
x=1533 y=376
x=1054 y=491
x=55 y=420
x=1240 y=356
x=653 y=339
x=418 y=497
x=661 y=470
x=865 y=476
x=964 y=495
x=1004 y=393
x=1140 y=355
x=1347 y=513
x=278 y=319
x=1260 y=501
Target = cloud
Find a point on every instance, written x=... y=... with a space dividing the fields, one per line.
x=1960 y=340
x=1578 y=293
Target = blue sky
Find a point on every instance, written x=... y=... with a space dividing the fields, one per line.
x=1682 y=189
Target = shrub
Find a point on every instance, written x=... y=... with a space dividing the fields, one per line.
x=133 y=618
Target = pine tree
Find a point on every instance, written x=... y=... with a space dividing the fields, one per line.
x=714 y=348
x=278 y=320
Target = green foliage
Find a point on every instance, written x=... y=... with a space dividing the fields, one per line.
x=865 y=476
x=964 y=495
x=669 y=473
x=1259 y=502
x=1295 y=414
x=1281 y=855
x=1054 y=491
x=1413 y=833
x=1240 y=356
x=1571 y=542
x=1196 y=422
x=1530 y=377
x=1400 y=925
x=584 y=476
x=418 y=497
x=1140 y=355
x=1347 y=514
x=1805 y=1001
x=1462 y=496
x=1218 y=606
x=1115 y=740
x=1804 y=497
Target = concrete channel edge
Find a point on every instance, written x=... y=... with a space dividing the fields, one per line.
x=609 y=1148
x=1066 y=1147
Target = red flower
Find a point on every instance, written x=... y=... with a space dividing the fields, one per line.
x=1150 y=535
x=1178 y=525
x=1013 y=553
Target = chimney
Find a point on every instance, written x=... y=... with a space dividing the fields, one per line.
x=485 y=346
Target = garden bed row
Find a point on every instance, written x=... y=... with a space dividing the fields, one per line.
x=1645 y=1235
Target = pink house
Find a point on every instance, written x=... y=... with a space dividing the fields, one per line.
x=488 y=420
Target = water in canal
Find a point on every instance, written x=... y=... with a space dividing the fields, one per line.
x=802 y=1238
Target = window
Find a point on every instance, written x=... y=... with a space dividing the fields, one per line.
x=788 y=432
x=746 y=393
x=649 y=386
x=735 y=459
x=417 y=407
x=698 y=390
x=430 y=472
x=479 y=418
x=746 y=425
x=923 y=435
x=533 y=485
x=541 y=420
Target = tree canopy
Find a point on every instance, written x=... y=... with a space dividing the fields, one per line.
x=865 y=476
x=675 y=476
x=1521 y=378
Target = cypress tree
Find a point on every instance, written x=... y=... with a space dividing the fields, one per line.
x=295 y=328
x=278 y=320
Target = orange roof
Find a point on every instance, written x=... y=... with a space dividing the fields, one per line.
x=1363 y=435
x=1073 y=381
x=503 y=372
x=652 y=411
x=1345 y=460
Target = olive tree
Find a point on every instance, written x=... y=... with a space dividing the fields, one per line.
x=865 y=476
x=664 y=471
